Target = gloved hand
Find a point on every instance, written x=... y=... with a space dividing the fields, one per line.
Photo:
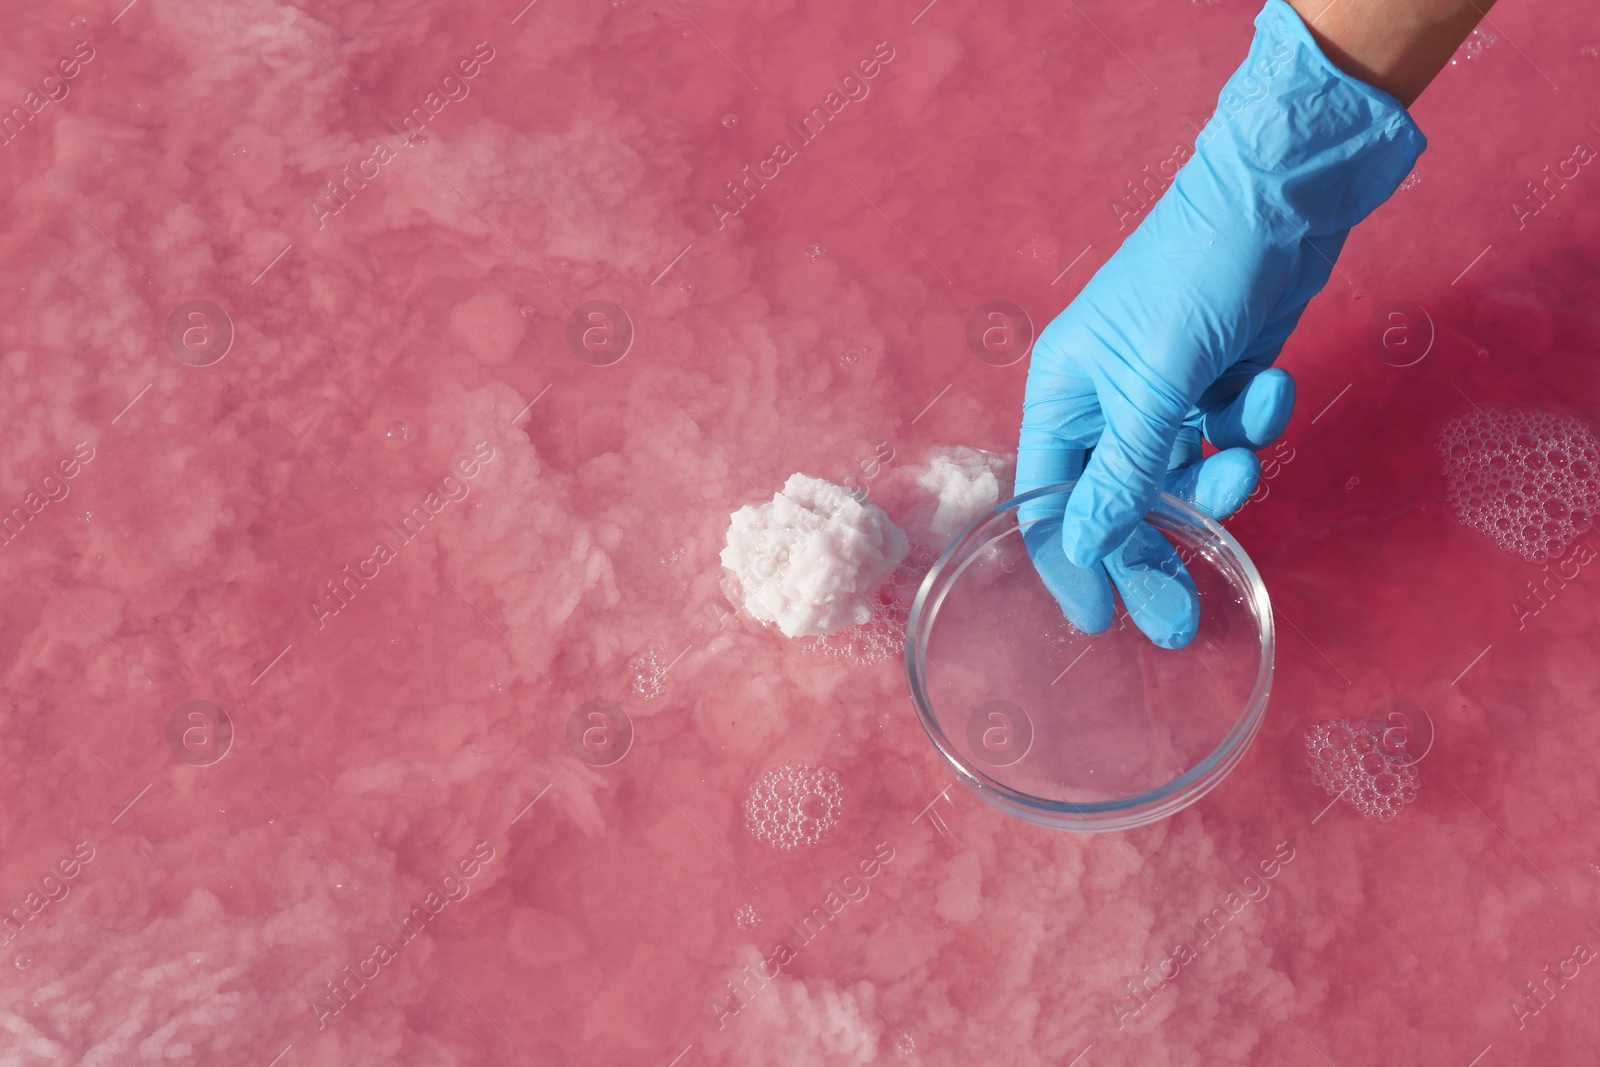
x=1173 y=337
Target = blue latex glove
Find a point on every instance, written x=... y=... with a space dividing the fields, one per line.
x=1173 y=337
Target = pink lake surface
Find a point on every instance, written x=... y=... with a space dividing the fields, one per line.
x=403 y=767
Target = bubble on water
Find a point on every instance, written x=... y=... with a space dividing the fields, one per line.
x=1478 y=42
x=1349 y=759
x=78 y=21
x=672 y=556
x=240 y=151
x=883 y=636
x=648 y=671
x=527 y=311
x=686 y=286
x=1412 y=181
x=1549 y=491
x=730 y=120
x=1590 y=51
x=87 y=517
x=1353 y=482
x=906 y=1045
x=747 y=916
x=398 y=431
x=794 y=805
x=815 y=252
x=850 y=358
x=23 y=962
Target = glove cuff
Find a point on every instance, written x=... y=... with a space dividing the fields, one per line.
x=1322 y=147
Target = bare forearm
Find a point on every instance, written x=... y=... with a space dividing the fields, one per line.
x=1398 y=46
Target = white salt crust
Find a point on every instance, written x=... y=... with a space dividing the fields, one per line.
x=810 y=559
x=966 y=482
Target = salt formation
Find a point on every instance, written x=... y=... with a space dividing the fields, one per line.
x=883 y=636
x=1349 y=757
x=1524 y=478
x=794 y=805
x=966 y=481
x=811 y=559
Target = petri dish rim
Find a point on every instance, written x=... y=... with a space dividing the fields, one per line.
x=1139 y=809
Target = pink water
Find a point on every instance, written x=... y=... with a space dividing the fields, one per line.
x=584 y=895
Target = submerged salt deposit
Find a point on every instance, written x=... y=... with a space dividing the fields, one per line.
x=810 y=558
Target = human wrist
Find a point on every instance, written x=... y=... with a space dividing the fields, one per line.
x=1398 y=46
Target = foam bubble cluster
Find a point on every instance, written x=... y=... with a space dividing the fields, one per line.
x=648 y=672
x=883 y=636
x=1524 y=478
x=1352 y=758
x=793 y=805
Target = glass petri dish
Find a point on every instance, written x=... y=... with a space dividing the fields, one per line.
x=1078 y=731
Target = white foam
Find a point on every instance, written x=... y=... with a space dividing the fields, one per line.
x=1350 y=760
x=794 y=805
x=810 y=559
x=1524 y=477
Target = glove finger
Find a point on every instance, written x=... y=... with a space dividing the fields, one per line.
x=1219 y=484
x=1061 y=418
x=1084 y=593
x=1156 y=588
x=1123 y=477
x=1044 y=458
x=1052 y=450
x=1253 y=417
